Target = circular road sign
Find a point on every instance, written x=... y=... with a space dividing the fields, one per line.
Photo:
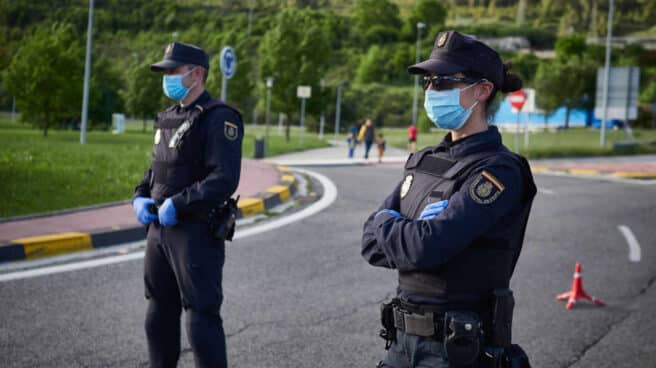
x=228 y=62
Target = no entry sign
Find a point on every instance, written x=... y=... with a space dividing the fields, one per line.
x=517 y=99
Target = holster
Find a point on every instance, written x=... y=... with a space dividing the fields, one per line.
x=388 y=332
x=222 y=220
x=502 y=353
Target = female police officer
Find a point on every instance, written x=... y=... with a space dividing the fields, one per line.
x=454 y=226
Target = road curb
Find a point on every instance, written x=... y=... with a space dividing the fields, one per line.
x=41 y=246
x=543 y=169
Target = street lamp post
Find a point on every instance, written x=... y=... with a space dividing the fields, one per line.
x=338 y=109
x=420 y=26
x=609 y=35
x=322 y=118
x=269 y=85
x=87 y=72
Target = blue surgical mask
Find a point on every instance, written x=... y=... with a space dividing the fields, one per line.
x=173 y=87
x=444 y=109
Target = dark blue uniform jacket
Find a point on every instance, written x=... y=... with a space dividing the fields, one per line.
x=221 y=161
x=408 y=244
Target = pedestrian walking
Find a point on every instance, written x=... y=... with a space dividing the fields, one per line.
x=183 y=199
x=381 y=147
x=412 y=138
x=367 y=134
x=355 y=130
x=351 y=142
x=453 y=227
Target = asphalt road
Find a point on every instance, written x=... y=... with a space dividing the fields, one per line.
x=301 y=295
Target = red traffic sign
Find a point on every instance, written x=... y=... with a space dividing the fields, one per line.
x=517 y=99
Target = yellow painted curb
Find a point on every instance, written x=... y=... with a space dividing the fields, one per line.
x=250 y=206
x=50 y=245
x=583 y=172
x=284 y=168
x=539 y=169
x=634 y=175
x=283 y=192
x=288 y=179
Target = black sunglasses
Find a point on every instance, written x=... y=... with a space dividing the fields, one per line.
x=444 y=82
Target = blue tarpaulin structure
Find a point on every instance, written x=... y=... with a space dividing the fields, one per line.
x=577 y=117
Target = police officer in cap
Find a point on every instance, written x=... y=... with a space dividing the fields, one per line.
x=195 y=169
x=454 y=226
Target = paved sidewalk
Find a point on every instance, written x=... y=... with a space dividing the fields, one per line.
x=261 y=187
x=337 y=154
x=632 y=167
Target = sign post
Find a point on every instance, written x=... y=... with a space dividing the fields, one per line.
x=303 y=92
x=528 y=108
x=517 y=100
x=228 y=65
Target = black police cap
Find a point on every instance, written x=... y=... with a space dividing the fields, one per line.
x=178 y=53
x=454 y=52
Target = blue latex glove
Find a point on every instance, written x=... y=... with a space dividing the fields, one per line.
x=391 y=212
x=140 y=206
x=433 y=210
x=167 y=214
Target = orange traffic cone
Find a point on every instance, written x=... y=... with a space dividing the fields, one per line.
x=577 y=291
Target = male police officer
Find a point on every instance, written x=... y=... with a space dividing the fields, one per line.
x=195 y=169
x=454 y=225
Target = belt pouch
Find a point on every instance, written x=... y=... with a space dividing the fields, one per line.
x=462 y=337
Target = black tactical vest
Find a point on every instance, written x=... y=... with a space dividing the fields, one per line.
x=486 y=264
x=178 y=151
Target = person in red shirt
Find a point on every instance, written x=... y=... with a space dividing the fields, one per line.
x=412 y=138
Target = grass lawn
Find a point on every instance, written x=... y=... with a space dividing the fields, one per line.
x=562 y=143
x=40 y=174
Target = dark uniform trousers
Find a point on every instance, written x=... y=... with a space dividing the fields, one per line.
x=183 y=270
x=415 y=351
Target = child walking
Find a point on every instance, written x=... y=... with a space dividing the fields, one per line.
x=381 y=147
x=351 y=142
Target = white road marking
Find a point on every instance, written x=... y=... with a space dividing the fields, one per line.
x=329 y=196
x=635 y=253
x=546 y=191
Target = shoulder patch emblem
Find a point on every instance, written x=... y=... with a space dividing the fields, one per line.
x=158 y=136
x=230 y=130
x=405 y=187
x=486 y=188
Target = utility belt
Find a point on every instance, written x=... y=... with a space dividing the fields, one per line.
x=461 y=332
x=221 y=220
x=414 y=319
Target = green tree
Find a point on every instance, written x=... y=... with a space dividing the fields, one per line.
x=104 y=93
x=570 y=84
x=241 y=86
x=46 y=74
x=525 y=65
x=293 y=53
x=571 y=46
x=374 y=66
x=430 y=12
x=142 y=91
x=377 y=21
